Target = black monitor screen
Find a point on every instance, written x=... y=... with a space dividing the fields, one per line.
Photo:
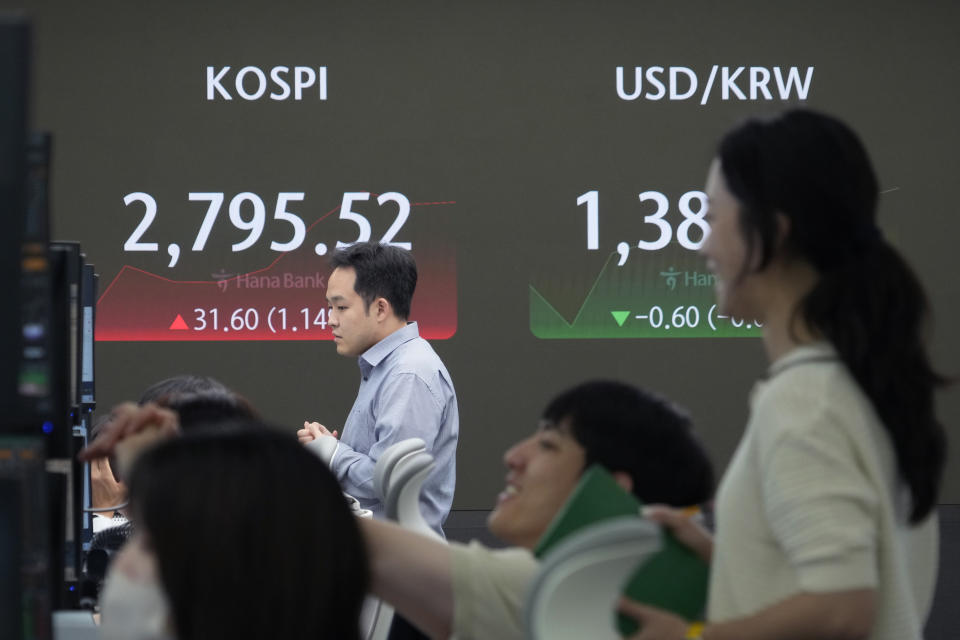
x=25 y=568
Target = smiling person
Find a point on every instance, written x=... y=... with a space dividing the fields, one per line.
x=405 y=391
x=825 y=517
x=471 y=591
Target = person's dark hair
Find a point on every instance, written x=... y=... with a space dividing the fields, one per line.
x=252 y=535
x=182 y=384
x=382 y=271
x=867 y=302
x=626 y=429
x=200 y=401
x=207 y=410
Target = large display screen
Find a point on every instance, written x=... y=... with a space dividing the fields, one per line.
x=543 y=161
x=262 y=289
x=655 y=288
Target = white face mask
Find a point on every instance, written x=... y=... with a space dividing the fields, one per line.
x=132 y=603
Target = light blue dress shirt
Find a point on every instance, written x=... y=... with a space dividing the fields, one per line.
x=405 y=392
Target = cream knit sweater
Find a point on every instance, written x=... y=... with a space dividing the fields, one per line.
x=811 y=503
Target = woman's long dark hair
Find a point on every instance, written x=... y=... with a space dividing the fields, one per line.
x=867 y=302
x=253 y=537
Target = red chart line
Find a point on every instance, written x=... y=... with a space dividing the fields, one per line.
x=240 y=275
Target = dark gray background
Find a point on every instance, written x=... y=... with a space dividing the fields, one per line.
x=511 y=110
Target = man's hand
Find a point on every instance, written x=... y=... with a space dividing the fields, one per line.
x=313 y=430
x=131 y=430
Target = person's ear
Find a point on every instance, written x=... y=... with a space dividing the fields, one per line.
x=382 y=309
x=624 y=480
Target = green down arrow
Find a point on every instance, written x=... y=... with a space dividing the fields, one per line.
x=620 y=316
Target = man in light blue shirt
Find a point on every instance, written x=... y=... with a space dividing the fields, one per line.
x=405 y=390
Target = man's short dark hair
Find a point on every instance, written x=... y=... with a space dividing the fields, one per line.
x=199 y=401
x=182 y=384
x=382 y=271
x=626 y=429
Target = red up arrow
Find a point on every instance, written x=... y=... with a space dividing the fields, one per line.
x=179 y=325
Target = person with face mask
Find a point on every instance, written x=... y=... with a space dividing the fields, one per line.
x=230 y=531
x=135 y=604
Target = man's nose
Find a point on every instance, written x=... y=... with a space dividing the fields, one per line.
x=516 y=456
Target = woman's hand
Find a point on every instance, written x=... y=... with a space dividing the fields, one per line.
x=685 y=528
x=655 y=624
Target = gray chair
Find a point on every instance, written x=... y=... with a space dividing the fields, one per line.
x=397 y=478
x=389 y=459
x=574 y=594
x=402 y=487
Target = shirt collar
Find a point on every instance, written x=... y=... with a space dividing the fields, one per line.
x=376 y=354
x=814 y=352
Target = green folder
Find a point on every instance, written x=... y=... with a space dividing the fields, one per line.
x=597 y=497
x=673 y=578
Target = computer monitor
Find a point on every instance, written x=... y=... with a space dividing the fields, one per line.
x=27 y=565
x=89 y=286
x=65 y=270
x=14 y=74
x=35 y=392
x=40 y=396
